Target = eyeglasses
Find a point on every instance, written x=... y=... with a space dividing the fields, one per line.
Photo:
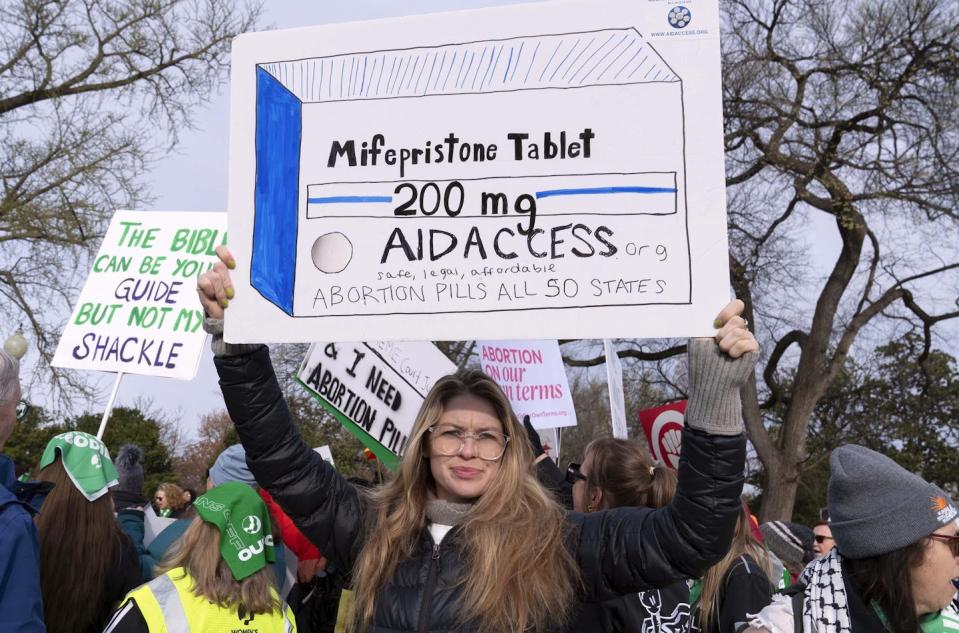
x=573 y=474
x=952 y=541
x=451 y=440
x=822 y=538
x=23 y=408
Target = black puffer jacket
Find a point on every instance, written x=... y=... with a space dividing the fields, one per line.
x=664 y=610
x=619 y=551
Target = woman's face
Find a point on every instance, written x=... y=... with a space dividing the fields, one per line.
x=161 y=500
x=586 y=498
x=464 y=477
x=932 y=587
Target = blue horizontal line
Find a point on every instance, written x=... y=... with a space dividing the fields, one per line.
x=338 y=199
x=598 y=190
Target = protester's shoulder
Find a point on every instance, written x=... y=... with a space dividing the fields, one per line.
x=16 y=524
x=128 y=550
x=128 y=618
x=7 y=497
x=745 y=567
x=169 y=535
x=13 y=513
x=601 y=517
x=601 y=525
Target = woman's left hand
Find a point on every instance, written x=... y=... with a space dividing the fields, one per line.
x=733 y=335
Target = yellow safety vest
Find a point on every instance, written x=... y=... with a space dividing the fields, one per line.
x=343 y=612
x=168 y=605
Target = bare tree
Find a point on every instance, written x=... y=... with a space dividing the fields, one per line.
x=91 y=93
x=845 y=111
x=849 y=111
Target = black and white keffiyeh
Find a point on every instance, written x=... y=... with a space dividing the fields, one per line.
x=826 y=604
x=824 y=599
x=826 y=608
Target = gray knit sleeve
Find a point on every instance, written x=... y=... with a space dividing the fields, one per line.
x=214 y=327
x=714 y=382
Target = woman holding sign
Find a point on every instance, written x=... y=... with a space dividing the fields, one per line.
x=464 y=537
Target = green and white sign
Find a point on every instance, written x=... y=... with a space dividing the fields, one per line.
x=374 y=389
x=138 y=312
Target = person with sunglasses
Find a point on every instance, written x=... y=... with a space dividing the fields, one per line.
x=618 y=473
x=170 y=500
x=21 y=604
x=822 y=539
x=896 y=556
x=463 y=537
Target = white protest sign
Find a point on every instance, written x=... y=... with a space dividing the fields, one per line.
x=374 y=389
x=326 y=454
x=544 y=170
x=153 y=525
x=614 y=382
x=533 y=377
x=138 y=312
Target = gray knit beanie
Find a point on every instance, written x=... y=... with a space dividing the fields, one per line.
x=876 y=506
x=789 y=541
x=231 y=466
x=129 y=469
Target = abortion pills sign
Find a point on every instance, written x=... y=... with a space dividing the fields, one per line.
x=138 y=311
x=544 y=170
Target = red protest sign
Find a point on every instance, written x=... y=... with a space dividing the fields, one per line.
x=664 y=431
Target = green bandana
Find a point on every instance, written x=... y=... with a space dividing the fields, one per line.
x=86 y=460
x=246 y=541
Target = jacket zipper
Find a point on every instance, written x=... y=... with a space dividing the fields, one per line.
x=428 y=591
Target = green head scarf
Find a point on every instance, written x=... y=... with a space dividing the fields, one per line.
x=246 y=539
x=86 y=460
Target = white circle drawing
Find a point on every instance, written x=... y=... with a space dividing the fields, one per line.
x=332 y=252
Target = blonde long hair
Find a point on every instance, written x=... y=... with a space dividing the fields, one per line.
x=198 y=552
x=518 y=574
x=743 y=543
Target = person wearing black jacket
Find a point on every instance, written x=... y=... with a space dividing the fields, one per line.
x=736 y=586
x=418 y=550
x=616 y=473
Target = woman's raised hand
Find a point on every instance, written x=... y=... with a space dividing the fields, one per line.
x=214 y=287
x=733 y=336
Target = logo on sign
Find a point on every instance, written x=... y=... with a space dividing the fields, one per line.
x=251 y=524
x=666 y=437
x=679 y=17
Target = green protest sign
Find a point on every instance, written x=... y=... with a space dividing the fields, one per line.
x=138 y=311
x=374 y=389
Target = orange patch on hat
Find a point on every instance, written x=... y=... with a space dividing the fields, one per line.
x=939 y=503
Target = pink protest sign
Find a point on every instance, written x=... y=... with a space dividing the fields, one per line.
x=533 y=376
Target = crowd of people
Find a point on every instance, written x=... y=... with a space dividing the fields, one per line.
x=477 y=530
